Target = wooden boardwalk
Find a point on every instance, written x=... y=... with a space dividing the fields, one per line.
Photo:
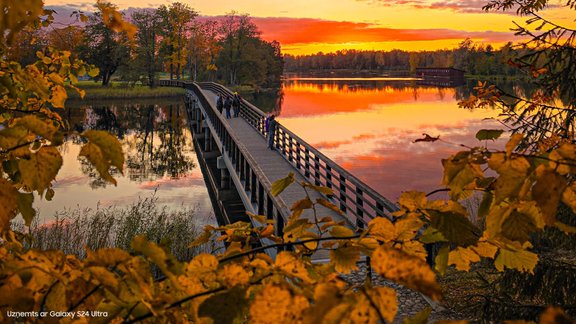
x=275 y=167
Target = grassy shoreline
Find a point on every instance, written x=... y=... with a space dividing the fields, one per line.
x=122 y=90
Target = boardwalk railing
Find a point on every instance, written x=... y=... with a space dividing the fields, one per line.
x=356 y=200
x=251 y=176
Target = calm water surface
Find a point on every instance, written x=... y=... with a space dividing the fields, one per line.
x=160 y=160
x=369 y=127
x=366 y=125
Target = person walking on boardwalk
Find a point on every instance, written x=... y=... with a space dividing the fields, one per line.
x=270 y=125
x=236 y=100
x=219 y=103
x=227 y=106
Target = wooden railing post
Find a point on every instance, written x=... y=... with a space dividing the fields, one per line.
x=342 y=181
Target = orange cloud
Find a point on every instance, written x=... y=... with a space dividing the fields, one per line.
x=289 y=31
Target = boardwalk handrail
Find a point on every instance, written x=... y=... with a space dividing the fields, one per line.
x=354 y=197
x=254 y=180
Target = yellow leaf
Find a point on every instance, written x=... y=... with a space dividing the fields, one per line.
x=547 y=192
x=521 y=260
x=341 y=231
x=40 y=169
x=95 y=155
x=267 y=231
x=323 y=190
x=412 y=200
x=234 y=275
x=455 y=227
x=384 y=299
x=405 y=269
x=292 y=267
x=295 y=229
x=302 y=204
x=103 y=150
x=106 y=257
x=524 y=219
x=513 y=175
x=431 y=235
x=345 y=258
x=485 y=249
x=441 y=260
x=462 y=257
x=460 y=175
x=227 y=307
x=58 y=97
x=166 y=262
x=259 y=218
x=313 y=245
x=513 y=143
x=414 y=248
x=326 y=297
x=406 y=229
x=569 y=198
x=202 y=262
x=46 y=129
x=565 y=228
x=203 y=238
x=104 y=277
x=279 y=185
x=368 y=243
x=381 y=229
x=419 y=318
x=328 y=205
x=25 y=201
x=276 y=304
x=56 y=298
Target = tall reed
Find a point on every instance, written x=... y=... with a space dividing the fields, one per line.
x=74 y=230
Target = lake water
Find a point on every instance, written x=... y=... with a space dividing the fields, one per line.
x=160 y=159
x=369 y=127
x=366 y=125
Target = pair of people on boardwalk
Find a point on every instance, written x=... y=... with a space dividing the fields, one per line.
x=229 y=102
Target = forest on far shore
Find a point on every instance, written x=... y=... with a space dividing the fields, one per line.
x=474 y=58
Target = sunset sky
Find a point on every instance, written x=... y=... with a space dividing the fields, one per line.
x=310 y=26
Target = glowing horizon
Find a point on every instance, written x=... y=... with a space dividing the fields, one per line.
x=308 y=27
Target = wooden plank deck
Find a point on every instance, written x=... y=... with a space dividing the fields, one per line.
x=276 y=167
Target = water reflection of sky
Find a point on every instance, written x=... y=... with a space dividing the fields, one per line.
x=160 y=161
x=370 y=131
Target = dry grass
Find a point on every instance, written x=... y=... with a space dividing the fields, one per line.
x=72 y=231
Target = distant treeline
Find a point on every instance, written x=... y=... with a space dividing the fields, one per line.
x=475 y=59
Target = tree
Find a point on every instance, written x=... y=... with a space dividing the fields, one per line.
x=23 y=49
x=236 y=32
x=244 y=57
x=175 y=21
x=69 y=38
x=104 y=47
x=203 y=48
x=148 y=23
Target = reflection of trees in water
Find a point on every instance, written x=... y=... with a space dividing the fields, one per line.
x=350 y=85
x=155 y=139
x=519 y=88
x=168 y=157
